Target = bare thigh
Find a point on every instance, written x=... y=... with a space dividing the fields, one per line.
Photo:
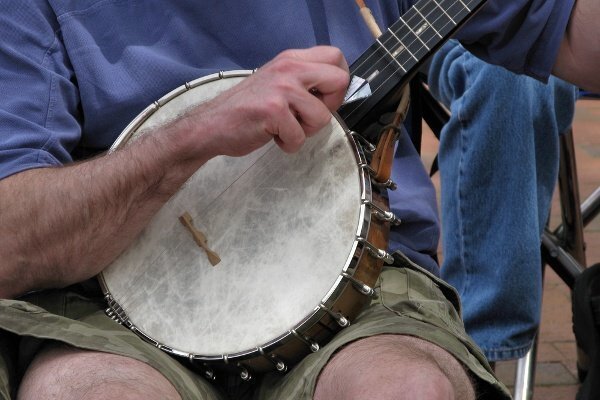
x=64 y=372
x=394 y=367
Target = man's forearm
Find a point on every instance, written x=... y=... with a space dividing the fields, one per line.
x=62 y=225
x=578 y=58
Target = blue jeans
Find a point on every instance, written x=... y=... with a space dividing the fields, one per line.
x=498 y=159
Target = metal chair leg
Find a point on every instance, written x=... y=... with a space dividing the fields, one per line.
x=563 y=250
x=525 y=374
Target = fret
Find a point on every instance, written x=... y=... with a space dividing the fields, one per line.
x=430 y=25
x=444 y=11
x=415 y=33
x=390 y=54
x=468 y=9
x=443 y=22
x=423 y=26
x=445 y=25
x=407 y=36
x=401 y=47
x=456 y=9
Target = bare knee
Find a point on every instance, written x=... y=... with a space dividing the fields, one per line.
x=64 y=372
x=393 y=367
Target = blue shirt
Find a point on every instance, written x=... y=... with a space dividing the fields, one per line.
x=76 y=72
x=520 y=35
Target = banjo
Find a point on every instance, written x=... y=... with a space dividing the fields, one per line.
x=212 y=278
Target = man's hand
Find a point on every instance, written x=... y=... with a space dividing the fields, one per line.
x=288 y=99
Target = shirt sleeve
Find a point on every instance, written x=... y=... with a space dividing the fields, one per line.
x=521 y=35
x=39 y=118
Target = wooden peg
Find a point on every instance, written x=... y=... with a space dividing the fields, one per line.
x=369 y=19
x=199 y=238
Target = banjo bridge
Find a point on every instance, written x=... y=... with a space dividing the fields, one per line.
x=199 y=238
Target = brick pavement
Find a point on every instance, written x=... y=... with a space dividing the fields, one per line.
x=556 y=372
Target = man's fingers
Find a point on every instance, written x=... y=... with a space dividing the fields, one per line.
x=288 y=133
x=329 y=85
x=322 y=70
x=321 y=54
x=289 y=98
x=310 y=112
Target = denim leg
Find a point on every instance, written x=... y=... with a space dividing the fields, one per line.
x=498 y=161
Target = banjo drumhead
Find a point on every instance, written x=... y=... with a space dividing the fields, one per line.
x=283 y=225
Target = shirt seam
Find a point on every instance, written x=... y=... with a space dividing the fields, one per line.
x=43 y=151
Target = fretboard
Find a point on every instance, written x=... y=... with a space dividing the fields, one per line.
x=398 y=53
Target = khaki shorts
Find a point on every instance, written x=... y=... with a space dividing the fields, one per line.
x=411 y=302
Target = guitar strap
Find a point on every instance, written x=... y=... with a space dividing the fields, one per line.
x=383 y=157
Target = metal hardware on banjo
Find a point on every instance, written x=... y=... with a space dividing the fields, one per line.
x=212 y=278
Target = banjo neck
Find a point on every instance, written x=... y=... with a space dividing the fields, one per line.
x=396 y=56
